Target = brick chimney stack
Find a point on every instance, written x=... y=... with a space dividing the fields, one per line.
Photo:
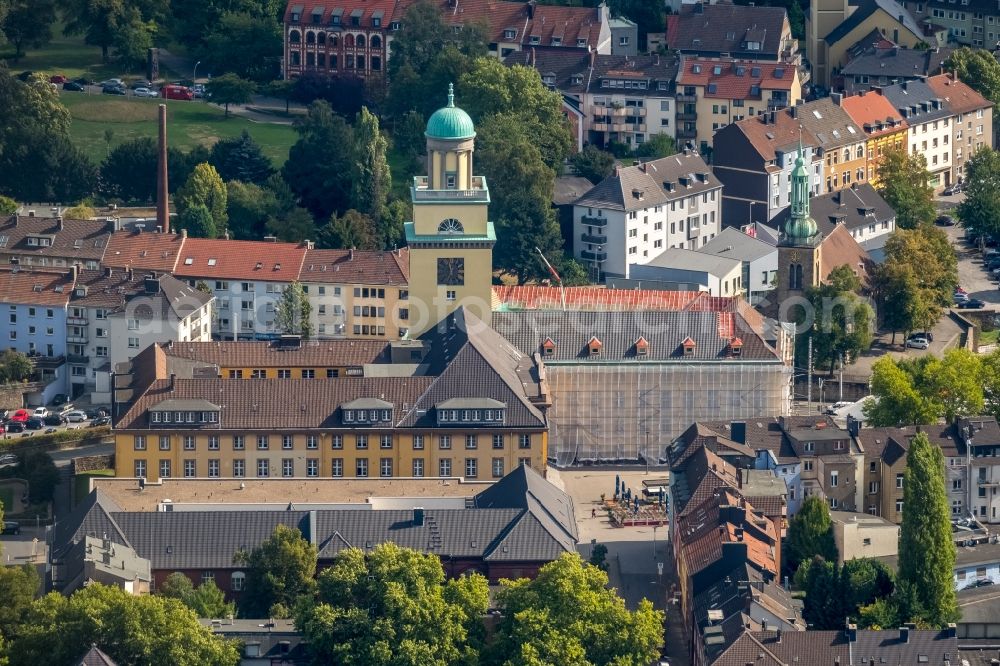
x=162 y=193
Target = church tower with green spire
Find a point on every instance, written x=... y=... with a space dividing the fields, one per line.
x=799 y=251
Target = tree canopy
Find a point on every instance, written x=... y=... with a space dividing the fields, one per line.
x=206 y=600
x=842 y=320
x=248 y=44
x=904 y=183
x=230 y=89
x=279 y=571
x=28 y=24
x=979 y=69
x=393 y=607
x=241 y=158
x=372 y=180
x=204 y=188
x=292 y=314
x=810 y=534
x=318 y=175
x=980 y=212
x=593 y=163
x=926 y=548
x=925 y=389
x=834 y=592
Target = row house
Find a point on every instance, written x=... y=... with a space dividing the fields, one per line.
x=884 y=127
x=509 y=529
x=930 y=127
x=33 y=241
x=632 y=216
x=974 y=23
x=841 y=142
x=882 y=63
x=971 y=122
x=979 y=438
x=714 y=92
x=754 y=158
x=609 y=98
x=115 y=313
x=456 y=405
x=34 y=303
x=353 y=37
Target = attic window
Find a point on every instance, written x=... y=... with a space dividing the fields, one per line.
x=779 y=73
x=688 y=345
x=211 y=262
x=696 y=69
x=594 y=346
x=641 y=347
x=277 y=267
x=717 y=70
x=556 y=41
x=581 y=41
x=712 y=88
x=548 y=347
x=188 y=261
x=637 y=194
x=736 y=347
x=535 y=39
x=509 y=34
x=259 y=265
x=755 y=72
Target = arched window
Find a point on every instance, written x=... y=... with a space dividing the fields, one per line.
x=795 y=276
x=334 y=40
x=451 y=226
x=321 y=38
x=294 y=37
x=349 y=41
x=238 y=581
x=360 y=41
x=375 y=42
x=310 y=37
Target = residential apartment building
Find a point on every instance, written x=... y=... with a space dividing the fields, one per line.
x=930 y=127
x=974 y=23
x=676 y=268
x=971 y=122
x=834 y=27
x=754 y=158
x=53 y=242
x=714 y=92
x=887 y=64
x=638 y=212
x=884 y=127
x=34 y=303
x=114 y=314
x=979 y=438
x=352 y=37
x=459 y=405
x=841 y=142
x=609 y=98
x=758 y=259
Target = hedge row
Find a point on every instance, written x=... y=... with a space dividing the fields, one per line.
x=55 y=440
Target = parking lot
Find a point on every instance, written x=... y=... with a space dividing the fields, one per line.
x=47 y=427
x=971 y=274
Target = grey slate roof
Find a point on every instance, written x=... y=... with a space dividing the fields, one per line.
x=78 y=240
x=829 y=123
x=692 y=260
x=642 y=186
x=733 y=243
x=897 y=62
x=618 y=332
x=572 y=73
x=849 y=207
x=867 y=8
x=915 y=101
x=519 y=518
x=96 y=657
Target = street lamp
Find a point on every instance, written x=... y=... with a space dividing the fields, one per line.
x=194 y=75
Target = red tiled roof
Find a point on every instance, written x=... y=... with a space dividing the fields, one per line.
x=873 y=109
x=958 y=96
x=143 y=250
x=767 y=137
x=368 y=7
x=312 y=353
x=729 y=84
x=240 y=260
x=35 y=287
x=356 y=267
x=599 y=298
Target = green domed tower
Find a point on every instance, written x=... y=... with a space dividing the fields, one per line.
x=800 y=249
x=800 y=228
x=450 y=238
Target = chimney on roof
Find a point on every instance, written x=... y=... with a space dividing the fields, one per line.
x=531 y=57
x=109 y=271
x=792 y=111
x=225 y=234
x=350 y=254
x=418 y=516
x=777 y=638
x=173 y=378
x=531 y=9
x=73 y=272
x=162 y=192
x=184 y=233
x=593 y=57
x=904 y=634
x=739 y=478
x=59 y=222
x=836 y=98
x=738 y=431
x=852 y=633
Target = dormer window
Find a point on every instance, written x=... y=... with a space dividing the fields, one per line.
x=369 y=411
x=556 y=41
x=462 y=411
x=688 y=345
x=509 y=34
x=581 y=42
x=548 y=347
x=577 y=79
x=594 y=346
x=535 y=39
x=641 y=347
x=736 y=347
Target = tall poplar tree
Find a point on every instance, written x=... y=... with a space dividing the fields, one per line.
x=372 y=181
x=926 y=549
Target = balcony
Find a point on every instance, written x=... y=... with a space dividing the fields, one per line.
x=687 y=115
x=591 y=221
x=684 y=133
x=77 y=339
x=622 y=111
x=421 y=191
x=597 y=240
x=776 y=104
x=46 y=362
x=681 y=99
x=78 y=359
x=594 y=256
x=77 y=321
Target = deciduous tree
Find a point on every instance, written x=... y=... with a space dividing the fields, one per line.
x=843 y=320
x=204 y=188
x=148 y=630
x=393 y=606
x=980 y=212
x=810 y=534
x=245 y=44
x=28 y=24
x=904 y=182
x=133 y=38
x=895 y=400
x=18 y=586
x=979 y=69
x=352 y=230
x=14 y=366
x=567 y=615
x=129 y=172
x=372 y=180
x=7 y=205
x=96 y=20
x=657 y=146
x=593 y=163
x=319 y=168
x=230 y=89
x=926 y=547
x=280 y=570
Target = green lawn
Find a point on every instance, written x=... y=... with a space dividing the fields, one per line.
x=188 y=124
x=81 y=483
x=989 y=337
x=6 y=498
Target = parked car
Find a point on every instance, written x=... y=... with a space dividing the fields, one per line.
x=95 y=412
x=176 y=92
x=60 y=399
x=40 y=412
x=34 y=424
x=101 y=421
x=58 y=78
x=113 y=90
x=982 y=582
x=53 y=420
x=11 y=527
x=945 y=221
x=918 y=343
x=113 y=82
x=972 y=304
x=84 y=81
x=15 y=426
x=952 y=189
x=141 y=83
x=20 y=416
x=24 y=76
x=7 y=459
x=832 y=409
x=75 y=416
x=199 y=90
x=146 y=92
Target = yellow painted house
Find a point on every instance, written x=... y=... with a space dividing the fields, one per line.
x=883 y=126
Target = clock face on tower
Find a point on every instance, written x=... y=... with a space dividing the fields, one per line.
x=451 y=271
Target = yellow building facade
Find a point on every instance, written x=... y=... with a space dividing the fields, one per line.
x=450 y=238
